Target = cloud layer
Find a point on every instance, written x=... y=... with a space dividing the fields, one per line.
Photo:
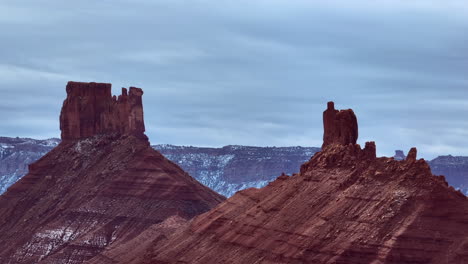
x=246 y=72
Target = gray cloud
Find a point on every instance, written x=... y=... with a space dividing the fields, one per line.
x=246 y=72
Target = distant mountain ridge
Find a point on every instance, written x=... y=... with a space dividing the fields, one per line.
x=226 y=170
x=454 y=168
x=17 y=153
x=232 y=168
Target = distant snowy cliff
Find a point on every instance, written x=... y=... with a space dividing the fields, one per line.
x=233 y=168
x=16 y=154
x=225 y=170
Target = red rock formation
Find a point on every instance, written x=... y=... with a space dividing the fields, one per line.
x=412 y=154
x=102 y=185
x=345 y=206
x=340 y=127
x=90 y=109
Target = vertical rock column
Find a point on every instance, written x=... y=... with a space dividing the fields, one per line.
x=340 y=127
x=135 y=118
x=90 y=109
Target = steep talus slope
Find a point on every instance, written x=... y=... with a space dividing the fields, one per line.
x=345 y=206
x=138 y=245
x=102 y=185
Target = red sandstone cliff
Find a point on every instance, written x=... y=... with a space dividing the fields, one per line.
x=345 y=206
x=90 y=109
x=103 y=185
x=340 y=127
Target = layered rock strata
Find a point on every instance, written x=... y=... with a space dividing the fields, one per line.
x=102 y=185
x=90 y=109
x=345 y=206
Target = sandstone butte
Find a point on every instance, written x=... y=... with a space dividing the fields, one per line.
x=103 y=185
x=345 y=206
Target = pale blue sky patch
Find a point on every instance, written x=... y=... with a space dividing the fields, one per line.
x=246 y=72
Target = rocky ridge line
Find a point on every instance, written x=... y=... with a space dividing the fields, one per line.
x=345 y=206
x=101 y=186
x=225 y=170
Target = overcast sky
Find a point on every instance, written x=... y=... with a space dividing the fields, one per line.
x=250 y=72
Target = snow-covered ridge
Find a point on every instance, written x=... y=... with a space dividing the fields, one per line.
x=17 y=153
x=232 y=168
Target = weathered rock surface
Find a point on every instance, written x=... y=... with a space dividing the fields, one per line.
x=345 y=206
x=90 y=109
x=412 y=155
x=339 y=126
x=137 y=246
x=101 y=186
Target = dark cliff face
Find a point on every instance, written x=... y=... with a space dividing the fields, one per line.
x=102 y=185
x=345 y=206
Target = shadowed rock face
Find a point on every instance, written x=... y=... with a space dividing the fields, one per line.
x=102 y=185
x=340 y=127
x=90 y=109
x=345 y=206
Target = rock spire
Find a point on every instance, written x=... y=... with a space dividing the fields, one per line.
x=90 y=109
x=340 y=127
x=345 y=206
x=85 y=196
